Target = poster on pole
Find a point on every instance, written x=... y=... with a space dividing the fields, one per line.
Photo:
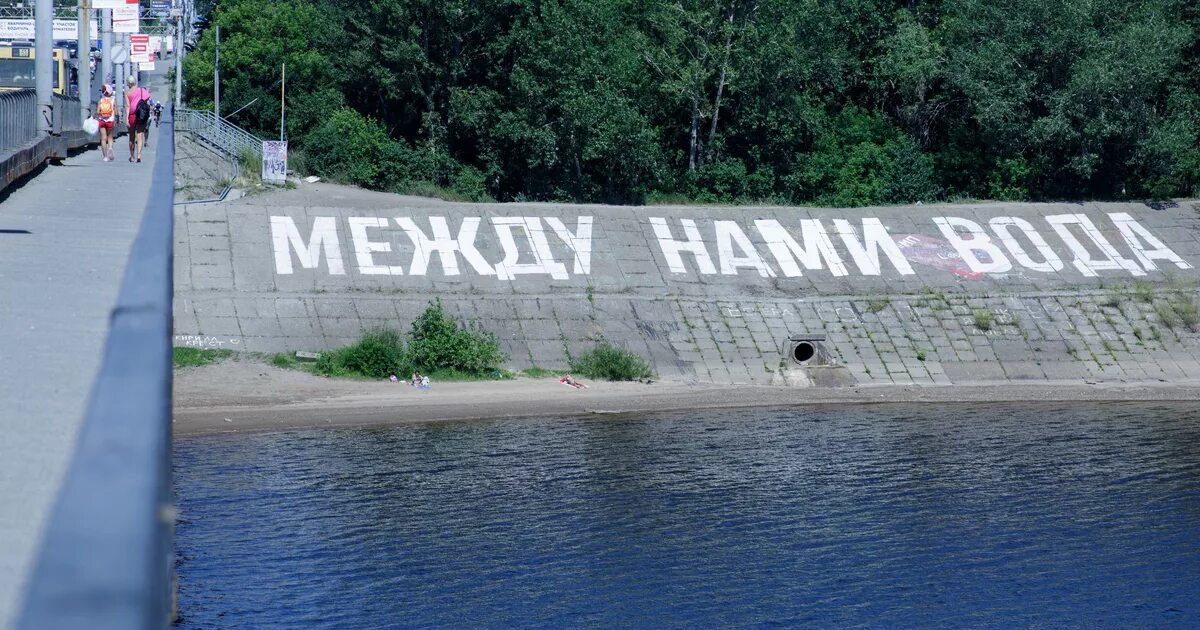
x=156 y=42
x=146 y=67
x=139 y=48
x=125 y=19
x=112 y=4
x=274 y=164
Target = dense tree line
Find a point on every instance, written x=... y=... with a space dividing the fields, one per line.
x=846 y=102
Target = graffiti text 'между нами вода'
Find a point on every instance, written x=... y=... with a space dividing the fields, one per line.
x=527 y=246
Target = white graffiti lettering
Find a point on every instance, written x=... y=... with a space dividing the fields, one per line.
x=285 y=237
x=364 y=248
x=788 y=252
x=1084 y=261
x=580 y=242
x=445 y=246
x=543 y=259
x=875 y=239
x=672 y=248
x=970 y=248
x=1051 y=262
x=1135 y=235
x=729 y=237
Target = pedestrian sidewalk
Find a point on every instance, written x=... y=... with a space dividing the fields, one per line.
x=65 y=236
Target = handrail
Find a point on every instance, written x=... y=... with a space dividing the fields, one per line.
x=17 y=110
x=106 y=559
x=222 y=134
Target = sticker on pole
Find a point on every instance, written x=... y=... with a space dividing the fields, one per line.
x=274 y=163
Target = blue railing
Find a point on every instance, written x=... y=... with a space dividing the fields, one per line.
x=106 y=557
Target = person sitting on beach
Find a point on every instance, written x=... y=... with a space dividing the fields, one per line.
x=415 y=381
x=569 y=380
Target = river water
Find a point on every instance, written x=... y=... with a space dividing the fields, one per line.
x=874 y=516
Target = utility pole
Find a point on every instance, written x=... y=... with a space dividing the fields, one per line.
x=83 y=58
x=282 y=102
x=179 y=61
x=119 y=72
x=217 y=76
x=43 y=63
x=106 y=45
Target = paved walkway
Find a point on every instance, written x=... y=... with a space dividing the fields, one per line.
x=64 y=241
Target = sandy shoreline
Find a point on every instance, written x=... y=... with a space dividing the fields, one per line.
x=245 y=396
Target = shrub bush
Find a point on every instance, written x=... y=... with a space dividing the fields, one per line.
x=378 y=354
x=439 y=343
x=611 y=363
x=350 y=147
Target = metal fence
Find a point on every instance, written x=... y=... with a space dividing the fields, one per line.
x=68 y=114
x=221 y=134
x=16 y=119
x=23 y=148
x=106 y=559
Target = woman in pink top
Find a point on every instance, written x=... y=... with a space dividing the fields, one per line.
x=137 y=124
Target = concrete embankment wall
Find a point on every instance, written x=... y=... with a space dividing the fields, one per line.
x=927 y=294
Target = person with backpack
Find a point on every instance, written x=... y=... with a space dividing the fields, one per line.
x=139 y=117
x=106 y=115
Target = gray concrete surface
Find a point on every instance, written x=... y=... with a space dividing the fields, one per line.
x=64 y=240
x=201 y=172
x=251 y=276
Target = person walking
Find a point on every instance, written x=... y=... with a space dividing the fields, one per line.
x=106 y=115
x=138 y=117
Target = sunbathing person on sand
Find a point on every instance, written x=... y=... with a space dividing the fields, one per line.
x=569 y=380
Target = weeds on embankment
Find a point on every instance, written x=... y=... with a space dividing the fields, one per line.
x=196 y=357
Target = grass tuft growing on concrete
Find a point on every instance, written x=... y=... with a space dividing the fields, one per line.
x=196 y=357
x=984 y=319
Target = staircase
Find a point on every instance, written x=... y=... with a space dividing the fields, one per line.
x=219 y=133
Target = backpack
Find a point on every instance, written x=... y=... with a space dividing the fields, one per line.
x=142 y=115
x=105 y=108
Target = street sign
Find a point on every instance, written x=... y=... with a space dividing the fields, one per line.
x=119 y=54
x=112 y=4
x=274 y=164
x=161 y=8
x=146 y=67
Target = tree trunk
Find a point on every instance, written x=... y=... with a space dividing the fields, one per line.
x=712 y=129
x=695 y=134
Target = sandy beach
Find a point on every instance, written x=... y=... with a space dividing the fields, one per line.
x=240 y=396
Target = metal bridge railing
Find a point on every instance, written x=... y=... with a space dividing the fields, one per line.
x=68 y=114
x=16 y=119
x=225 y=136
x=23 y=145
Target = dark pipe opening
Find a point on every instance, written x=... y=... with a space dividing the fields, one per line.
x=803 y=351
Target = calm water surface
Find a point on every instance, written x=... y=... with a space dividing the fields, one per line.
x=885 y=516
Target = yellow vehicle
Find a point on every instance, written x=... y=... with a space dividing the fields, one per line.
x=16 y=68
